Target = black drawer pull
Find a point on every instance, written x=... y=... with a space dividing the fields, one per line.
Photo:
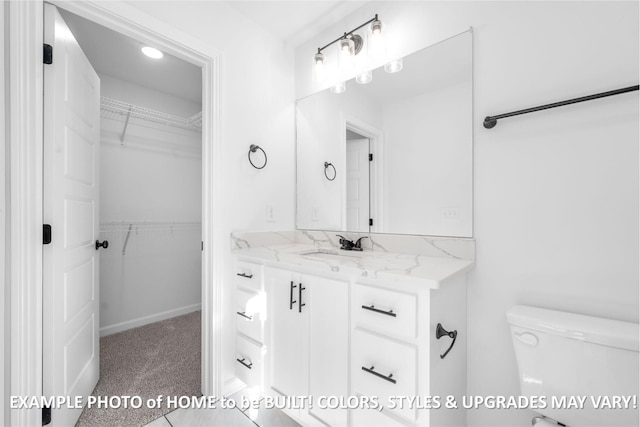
x=291 y=301
x=243 y=314
x=377 y=310
x=243 y=363
x=384 y=377
x=300 y=303
x=248 y=276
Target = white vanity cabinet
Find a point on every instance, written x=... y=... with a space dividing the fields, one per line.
x=335 y=332
x=309 y=341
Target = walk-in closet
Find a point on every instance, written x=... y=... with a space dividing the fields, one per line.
x=150 y=203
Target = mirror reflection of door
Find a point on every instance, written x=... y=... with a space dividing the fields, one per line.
x=358 y=212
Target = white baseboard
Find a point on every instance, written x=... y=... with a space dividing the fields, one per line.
x=141 y=321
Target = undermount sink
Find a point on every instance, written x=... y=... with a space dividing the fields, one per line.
x=333 y=255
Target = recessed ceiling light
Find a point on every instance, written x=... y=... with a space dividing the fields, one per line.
x=152 y=52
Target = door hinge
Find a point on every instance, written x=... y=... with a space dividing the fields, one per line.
x=371 y=157
x=47 y=54
x=46 y=234
x=46 y=415
x=370 y=222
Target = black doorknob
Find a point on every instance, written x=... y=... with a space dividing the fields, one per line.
x=104 y=244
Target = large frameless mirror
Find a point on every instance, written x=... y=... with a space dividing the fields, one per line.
x=394 y=155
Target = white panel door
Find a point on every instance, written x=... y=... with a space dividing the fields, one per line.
x=358 y=185
x=70 y=261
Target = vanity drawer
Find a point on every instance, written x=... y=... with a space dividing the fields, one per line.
x=384 y=367
x=249 y=310
x=248 y=361
x=248 y=274
x=386 y=311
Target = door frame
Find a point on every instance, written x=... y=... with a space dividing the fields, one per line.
x=26 y=187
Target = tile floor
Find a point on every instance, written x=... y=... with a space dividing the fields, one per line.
x=237 y=417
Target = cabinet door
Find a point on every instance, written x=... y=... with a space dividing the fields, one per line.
x=328 y=308
x=286 y=357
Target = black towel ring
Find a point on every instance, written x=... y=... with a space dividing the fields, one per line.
x=326 y=166
x=252 y=149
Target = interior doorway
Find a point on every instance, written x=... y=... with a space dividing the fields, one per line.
x=150 y=171
x=358 y=178
x=364 y=193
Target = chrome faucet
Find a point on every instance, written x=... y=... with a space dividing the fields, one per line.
x=350 y=245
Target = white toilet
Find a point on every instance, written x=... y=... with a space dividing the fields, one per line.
x=580 y=357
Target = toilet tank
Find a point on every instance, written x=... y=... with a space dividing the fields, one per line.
x=590 y=361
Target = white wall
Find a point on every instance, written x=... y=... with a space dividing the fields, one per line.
x=555 y=192
x=153 y=176
x=256 y=107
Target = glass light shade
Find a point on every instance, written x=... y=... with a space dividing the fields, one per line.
x=393 y=66
x=347 y=46
x=376 y=27
x=321 y=72
x=364 y=78
x=339 y=87
x=152 y=52
x=347 y=55
x=377 y=45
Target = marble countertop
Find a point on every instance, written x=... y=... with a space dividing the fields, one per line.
x=424 y=270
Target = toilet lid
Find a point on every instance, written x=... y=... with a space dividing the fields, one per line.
x=545 y=422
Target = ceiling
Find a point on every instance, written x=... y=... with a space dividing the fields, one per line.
x=295 y=22
x=119 y=56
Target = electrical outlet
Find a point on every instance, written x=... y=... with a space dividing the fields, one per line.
x=450 y=214
x=271 y=214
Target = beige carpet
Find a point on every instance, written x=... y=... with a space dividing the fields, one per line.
x=162 y=358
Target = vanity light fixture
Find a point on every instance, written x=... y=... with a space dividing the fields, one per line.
x=152 y=52
x=350 y=45
x=393 y=66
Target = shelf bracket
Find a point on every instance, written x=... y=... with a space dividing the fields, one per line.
x=126 y=123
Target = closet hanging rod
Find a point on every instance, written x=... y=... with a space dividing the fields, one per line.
x=491 y=121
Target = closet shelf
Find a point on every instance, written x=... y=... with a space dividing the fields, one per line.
x=138 y=226
x=131 y=111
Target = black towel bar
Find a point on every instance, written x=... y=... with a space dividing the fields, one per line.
x=491 y=121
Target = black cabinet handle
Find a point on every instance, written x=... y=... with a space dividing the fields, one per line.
x=441 y=332
x=248 y=276
x=300 y=304
x=243 y=363
x=379 y=375
x=377 y=310
x=291 y=301
x=243 y=314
